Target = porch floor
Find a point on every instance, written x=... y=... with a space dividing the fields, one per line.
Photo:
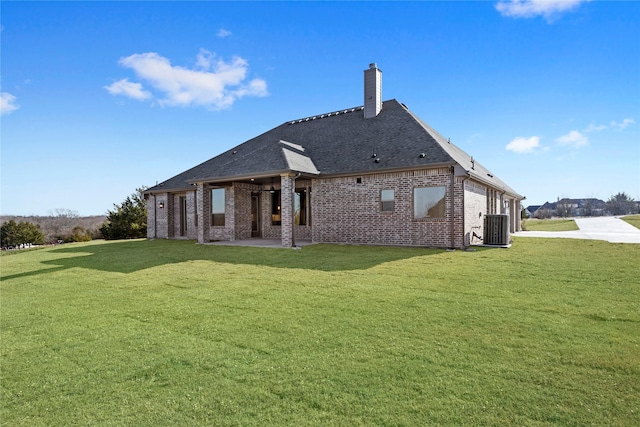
x=260 y=243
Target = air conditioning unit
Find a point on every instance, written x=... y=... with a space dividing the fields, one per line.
x=496 y=230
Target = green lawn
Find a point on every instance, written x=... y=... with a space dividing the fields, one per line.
x=633 y=220
x=153 y=333
x=550 y=225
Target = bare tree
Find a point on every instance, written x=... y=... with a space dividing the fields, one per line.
x=62 y=221
x=565 y=208
x=588 y=207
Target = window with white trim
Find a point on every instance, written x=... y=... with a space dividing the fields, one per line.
x=387 y=200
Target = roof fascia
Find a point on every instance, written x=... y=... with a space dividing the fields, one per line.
x=168 y=190
x=247 y=176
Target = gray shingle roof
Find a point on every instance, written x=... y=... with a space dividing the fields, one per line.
x=336 y=143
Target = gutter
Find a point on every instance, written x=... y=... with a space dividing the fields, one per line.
x=493 y=184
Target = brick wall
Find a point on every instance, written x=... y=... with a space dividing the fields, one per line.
x=158 y=217
x=342 y=210
x=175 y=213
x=345 y=211
x=151 y=215
x=242 y=197
x=203 y=199
x=186 y=229
x=225 y=232
x=286 y=227
x=475 y=201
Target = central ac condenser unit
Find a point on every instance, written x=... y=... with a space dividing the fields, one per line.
x=496 y=230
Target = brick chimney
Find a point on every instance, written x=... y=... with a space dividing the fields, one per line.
x=372 y=91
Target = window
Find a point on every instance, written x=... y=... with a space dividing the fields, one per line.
x=387 y=200
x=300 y=207
x=217 y=207
x=429 y=202
x=276 y=218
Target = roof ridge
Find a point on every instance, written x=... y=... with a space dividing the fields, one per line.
x=322 y=116
x=333 y=113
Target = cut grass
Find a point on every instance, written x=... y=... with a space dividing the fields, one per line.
x=173 y=333
x=633 y=220
x=550 y=225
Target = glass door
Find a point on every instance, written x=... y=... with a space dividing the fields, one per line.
x=255 y=215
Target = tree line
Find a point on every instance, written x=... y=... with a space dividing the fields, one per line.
x=127 y=220
x=61 y=225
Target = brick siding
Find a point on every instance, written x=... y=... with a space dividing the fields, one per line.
x=475 y=203
x=345 y=211
x=342 y=210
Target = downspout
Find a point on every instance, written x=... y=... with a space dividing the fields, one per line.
x=293 y=216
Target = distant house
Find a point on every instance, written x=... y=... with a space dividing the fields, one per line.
x=572 y=207
x=531 y=210
x=374 y=174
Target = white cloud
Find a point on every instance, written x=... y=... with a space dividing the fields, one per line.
x=7 y=103
x=595 y=128
x=622 y=125
x=213 y=83
x=573 y=139
x=524 y=145
x=223 y=33
x=129 y=89
x=532 y=8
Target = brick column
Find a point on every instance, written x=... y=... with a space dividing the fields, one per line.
x=286 y=212
x=204 y=213
x=191 y=215
x=151 y=217
x=162 y=216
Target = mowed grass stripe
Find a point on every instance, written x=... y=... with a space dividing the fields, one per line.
x=170 y=332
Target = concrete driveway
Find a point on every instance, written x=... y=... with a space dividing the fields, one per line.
x=608 y=228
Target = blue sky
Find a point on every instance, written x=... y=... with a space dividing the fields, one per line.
x=99 y=98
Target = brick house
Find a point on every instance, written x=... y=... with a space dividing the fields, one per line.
x=374 y=174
